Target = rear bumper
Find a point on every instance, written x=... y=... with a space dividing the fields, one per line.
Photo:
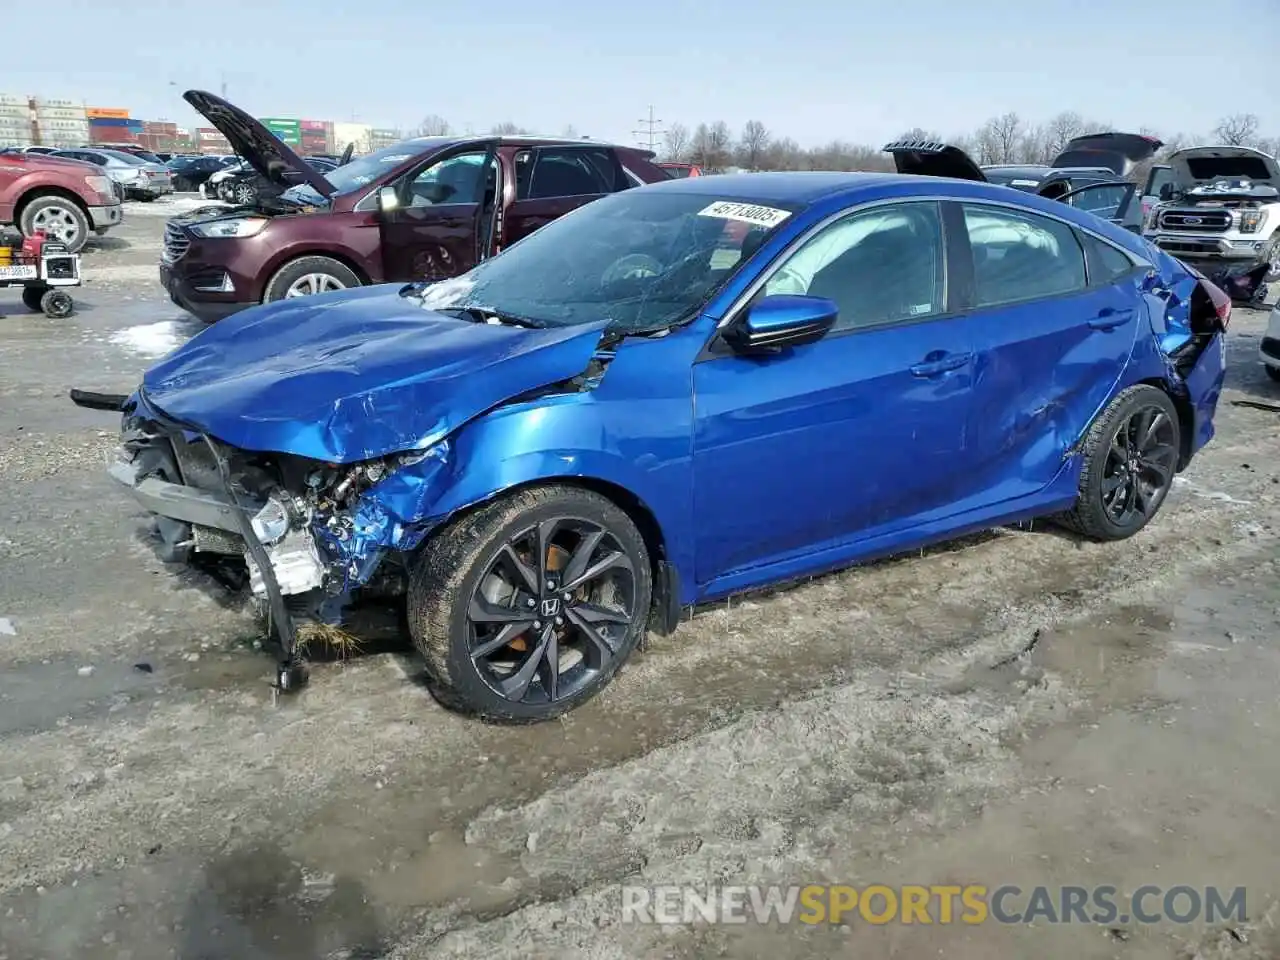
x=1204 y=389
x=105 y=217
x=154 y=188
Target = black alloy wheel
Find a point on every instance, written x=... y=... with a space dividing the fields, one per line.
x=550 y=613
x=1140 y=466
x=1131 y=455
x=530 y=606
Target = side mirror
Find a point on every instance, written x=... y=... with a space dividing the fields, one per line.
x=388 y=199
x=782 y=321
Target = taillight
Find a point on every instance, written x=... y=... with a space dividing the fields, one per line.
x=1220 y=300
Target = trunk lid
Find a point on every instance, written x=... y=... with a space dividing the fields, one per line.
x=260 y=148
x=932 y=158
x=1117 y=152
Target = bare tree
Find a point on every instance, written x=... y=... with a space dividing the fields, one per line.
x=434 y=125
x=1059 y=130
x=570 y=132
x=506 y=129
x=784 y=154
x=753 y=145
x=1006 y=133
x=675 y=143
x=1237 y=130
x=919 y=133
x=709 y=148
x=720 y=142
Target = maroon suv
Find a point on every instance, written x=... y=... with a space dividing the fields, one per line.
x=428 y=208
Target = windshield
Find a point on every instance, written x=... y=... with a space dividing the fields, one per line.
x=362 y=171
x=642 y=260
x=123 y=157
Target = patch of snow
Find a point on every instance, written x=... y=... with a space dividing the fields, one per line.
x=169 y=206
x=6 y=627
x=152 y=339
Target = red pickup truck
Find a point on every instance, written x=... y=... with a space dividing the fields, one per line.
x=65 y=199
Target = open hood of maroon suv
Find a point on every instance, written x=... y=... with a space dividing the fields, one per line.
x=261 y=149
x=1118 y=152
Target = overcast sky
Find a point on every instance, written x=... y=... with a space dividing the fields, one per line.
x=810 y=69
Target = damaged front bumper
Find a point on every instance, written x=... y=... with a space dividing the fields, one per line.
x=215 y=519
x=309 y=533
x=211 y=521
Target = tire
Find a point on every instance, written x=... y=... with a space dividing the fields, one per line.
x=1110 y=434
x=1273 y=256
x=244 y=194
x=325 y=271
x=59 y=217
x=1272 y=372
x=459 y=561
x=32 y=297
x=57 y=304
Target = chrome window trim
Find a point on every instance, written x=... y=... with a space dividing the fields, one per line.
x=745 y=297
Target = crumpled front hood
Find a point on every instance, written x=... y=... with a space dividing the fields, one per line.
x=354 y=375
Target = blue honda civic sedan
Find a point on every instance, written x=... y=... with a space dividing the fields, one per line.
x=672 y=394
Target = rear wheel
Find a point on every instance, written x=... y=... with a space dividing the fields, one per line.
x=310 y=275
x=1130 y=457
x=57 y=304
x=527 y=607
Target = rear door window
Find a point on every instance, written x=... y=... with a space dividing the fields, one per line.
x=1020 y=256
x=1106 y=264
x=548 y=172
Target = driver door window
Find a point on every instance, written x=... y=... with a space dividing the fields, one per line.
x=880 y=266
x=458 y=179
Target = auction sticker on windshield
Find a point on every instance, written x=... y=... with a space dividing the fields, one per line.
x=754 y=213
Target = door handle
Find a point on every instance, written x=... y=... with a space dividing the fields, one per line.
x=935 y=368
x=1110 y=318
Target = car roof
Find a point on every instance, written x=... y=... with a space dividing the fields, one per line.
x=435 y=143
x=802 y=187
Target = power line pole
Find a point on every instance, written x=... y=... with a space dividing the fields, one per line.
x=650 y=132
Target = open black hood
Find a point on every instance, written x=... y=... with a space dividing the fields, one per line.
x=1117 y=152
x=261 y=149
x=931 y=158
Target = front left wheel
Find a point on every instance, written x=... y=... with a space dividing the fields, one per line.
x=527 y=607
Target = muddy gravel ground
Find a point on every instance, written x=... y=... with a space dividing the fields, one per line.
x=1019 y=707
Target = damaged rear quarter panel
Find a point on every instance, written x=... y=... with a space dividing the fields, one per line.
x=633 y=431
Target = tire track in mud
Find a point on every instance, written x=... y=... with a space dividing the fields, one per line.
x=364 y=777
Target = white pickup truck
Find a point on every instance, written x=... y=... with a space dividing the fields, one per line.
x=1219 y=211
